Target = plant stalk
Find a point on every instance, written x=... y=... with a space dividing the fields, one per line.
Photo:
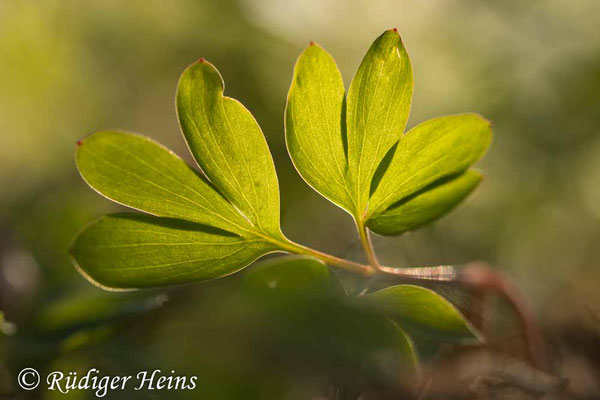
x=348 y=265
x=482 y=277
x=475 y=275
x=367 y=244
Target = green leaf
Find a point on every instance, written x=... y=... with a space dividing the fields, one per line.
x=387 y=349
x=426 y=205
x=406 y=349
x=424 y=312
x=86 y=337
x=313 y=125
x=134 y=250
x=378 y=107
x=6 y=328
x=229 y=146
x=432 y=150
x=92 y=308
x=384 y=348
x=290 y=277
x=137 y=172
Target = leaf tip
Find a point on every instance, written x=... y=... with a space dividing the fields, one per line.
x=395 y=39
x=79 y=143
x=201 y=60
x=311 y=43
x=392 y=31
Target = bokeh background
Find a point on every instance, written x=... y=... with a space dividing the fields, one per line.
x=69 y=68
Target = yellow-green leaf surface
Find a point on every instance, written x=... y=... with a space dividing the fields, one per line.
x=209 y=229
x=378 y=106
x=422 y=311
x=313 y=125
x=229 y=146
x=430 y=151
x=426 y=205
x=126 y=251
x=137 y=172
x=355 y=153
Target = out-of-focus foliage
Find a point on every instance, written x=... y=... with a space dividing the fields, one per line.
x=68 y=68
x=423 y=312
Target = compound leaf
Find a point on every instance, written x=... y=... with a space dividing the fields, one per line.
x=432 y=150
x=125 y=251
x=377 y=111
x=229 y=146
x=135 y=171
x=426 y=205
x=422 y=311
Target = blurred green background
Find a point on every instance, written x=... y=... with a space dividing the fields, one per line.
x=69 y=68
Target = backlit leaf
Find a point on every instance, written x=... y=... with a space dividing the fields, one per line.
x=378 y=107
x=435 y=149
x=314 y=125
x=134 y=250
x=229 y=146
x=426 y=205
x=135 y=171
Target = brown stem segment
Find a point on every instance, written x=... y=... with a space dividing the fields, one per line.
x=481 y=276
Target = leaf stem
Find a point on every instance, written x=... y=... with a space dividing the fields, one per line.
x=474 y=275
x=351 y=266
x=367 y=245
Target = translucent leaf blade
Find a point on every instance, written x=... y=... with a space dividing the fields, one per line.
x=229 y=146
x=430 y=151
x=313 y=125
x=137 y=172
x=135 y=251
x=378 y=107
x=425 y=206
x=424 y=312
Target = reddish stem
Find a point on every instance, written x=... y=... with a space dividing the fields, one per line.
x=481 y=276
